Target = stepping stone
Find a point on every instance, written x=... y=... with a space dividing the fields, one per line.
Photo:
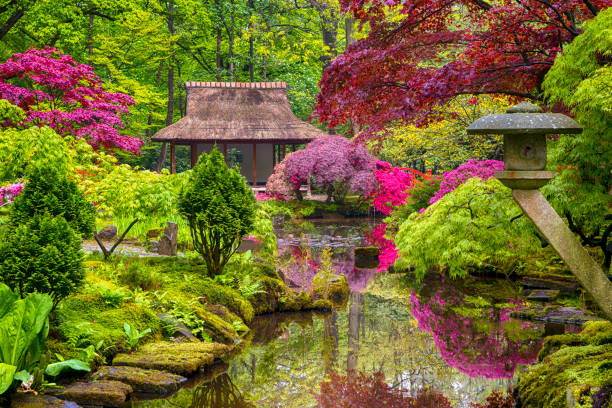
x=40 y=401
x=141 y=380
x=178 y=358
x=543 y=295
x=568 y=285
x=101 y=393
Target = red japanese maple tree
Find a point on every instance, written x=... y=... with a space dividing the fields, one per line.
x=56 y=91
x=420 y=53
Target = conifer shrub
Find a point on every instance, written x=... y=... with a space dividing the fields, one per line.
x=42 y=255
x=220 y=210
x=50 y=191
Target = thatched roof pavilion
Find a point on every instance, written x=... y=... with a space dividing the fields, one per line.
x=253 y=117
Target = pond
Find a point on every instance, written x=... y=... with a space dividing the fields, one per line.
x=439 y=335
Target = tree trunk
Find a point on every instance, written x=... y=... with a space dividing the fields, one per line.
x=13 y=19
x=170 y=111
x=329 y=30
x=219 y=62
x=251 y=45
x=150 y=118
x=90 y=38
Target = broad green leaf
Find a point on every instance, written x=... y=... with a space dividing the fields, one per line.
x=7 y=372
x=56 y=369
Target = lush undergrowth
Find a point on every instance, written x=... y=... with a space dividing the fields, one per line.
x=138 y=291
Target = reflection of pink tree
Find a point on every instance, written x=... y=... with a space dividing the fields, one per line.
x=388 y=250
x=477 y=346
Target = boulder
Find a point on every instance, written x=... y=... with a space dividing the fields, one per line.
x=100 y=393
x=336 y=289
x=154 y=233
x=367 y=257
x=180 y=330
x=563 y=284
x=543 y=295
x=107 y=233
x=167 y=244
x=40 y=401
x=178 y=358
x=142 y=380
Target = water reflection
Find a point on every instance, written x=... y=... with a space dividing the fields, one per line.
x=219 y=393
x=475 y=335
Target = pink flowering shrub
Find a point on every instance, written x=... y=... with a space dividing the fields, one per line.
x=393 y=186
x=465 y=343
x=278 y=184
x=484 y=169
x=8 y=193
x=58 y=92
x=388 y=251
x=336 y=165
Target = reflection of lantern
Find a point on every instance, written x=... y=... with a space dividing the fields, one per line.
x=524 y=128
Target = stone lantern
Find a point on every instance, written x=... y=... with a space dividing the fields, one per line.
x=524 y=128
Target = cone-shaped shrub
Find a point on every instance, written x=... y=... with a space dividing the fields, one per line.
x=220 y=209
x=49 y=191
x=42 y=255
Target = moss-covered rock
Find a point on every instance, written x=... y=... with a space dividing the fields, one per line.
x=367 y=257
x=101 y=393
x=216 y=327
x=572 y=367
x=178 y=358
x=335 y=288
x=142 y=380
x=267 y=301
x=292 y=301
x=211 y=292
x=322 y=304
x=40 y=401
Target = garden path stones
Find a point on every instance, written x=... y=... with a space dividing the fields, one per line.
x=40 y=401
x=107 y=233
x=141 y=380
x=178 y=358
x=101 y=393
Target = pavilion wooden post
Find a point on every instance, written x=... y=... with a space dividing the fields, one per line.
x=194 y=154
x=172 y=158
x=254 y=164
x=284 y=150
x=225 y=151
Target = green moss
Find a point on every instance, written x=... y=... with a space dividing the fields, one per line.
x=576 y=362
x=293 y=302
x=228 y=297
x=268 y=300
x=216 y=327
x=322 y=304
x=86 y=319
x=336 y=290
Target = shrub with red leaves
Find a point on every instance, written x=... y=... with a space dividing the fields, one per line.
x=497 y=400
x=356 y=390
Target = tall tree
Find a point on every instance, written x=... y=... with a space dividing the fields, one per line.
x=425 y=52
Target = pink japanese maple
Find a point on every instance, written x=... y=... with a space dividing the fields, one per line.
x=484 y=169
x=56 y=91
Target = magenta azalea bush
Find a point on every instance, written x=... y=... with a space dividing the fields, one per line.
x=478 y=350
x=485 y=169
x=8 y=193
x=58 y=92
x=336 y=165
x=393 y=186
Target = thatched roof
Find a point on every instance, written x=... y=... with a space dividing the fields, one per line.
x=238 y=112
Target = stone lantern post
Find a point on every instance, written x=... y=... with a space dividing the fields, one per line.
x=524 y=128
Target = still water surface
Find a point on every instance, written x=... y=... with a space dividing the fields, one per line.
x=438 y=335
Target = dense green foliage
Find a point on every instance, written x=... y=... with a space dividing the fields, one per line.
x=50 y=192
x=24 y=326
x=42 y=255
x=220 y=209
x=468 y=228
x=580 y=79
